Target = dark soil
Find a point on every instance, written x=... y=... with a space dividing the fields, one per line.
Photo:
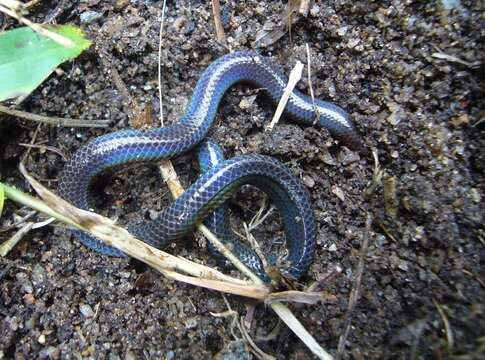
x=423 y=114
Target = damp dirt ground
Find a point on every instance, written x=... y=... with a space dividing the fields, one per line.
x=411 y=75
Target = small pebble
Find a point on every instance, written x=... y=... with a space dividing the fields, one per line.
x=191 y=323
x=403 y=265
x=29 y=299
x=49 y=352
x=347 y=156
x=89 y=17
x=381 y=240
x=86 y=310
x=338 y=192
x=41 y=339
x=342 y=31
x=450 y=4
x=121 y=4
x=315 y=10
x=153 y=214
x=23 y=279
x=179 y=23
x=309 y=182
x=247 y=102
x=353 y=43
x=327 y=158
x=475 y=195
x=460 y=120
x=235 y=350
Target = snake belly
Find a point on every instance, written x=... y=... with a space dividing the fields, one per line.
x=136 y=146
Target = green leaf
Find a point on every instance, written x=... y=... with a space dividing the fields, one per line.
x=27 y=58
x=2 y=197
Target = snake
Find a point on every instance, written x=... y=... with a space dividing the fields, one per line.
x=221 y=178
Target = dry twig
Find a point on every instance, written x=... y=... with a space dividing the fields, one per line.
x=475 y=276
x=376 y=176
x=443 y=56
x=239 y=323
x=355 y=293
x=46 y=147
x=310 y=85
x=10 y=243
x=18 y=222
x=53 y=120
x=31 y=3
x=216 y=10
x=304 y=7
x=294 y=77
x=160 y=87
x=449 y=333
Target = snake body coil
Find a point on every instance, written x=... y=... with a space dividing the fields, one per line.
x=216 y=185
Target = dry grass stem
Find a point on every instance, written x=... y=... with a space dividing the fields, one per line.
x=52 y=120
x=12 y=4
x=289 y=319
x=355 y=293
x=295 y=76
x=475 y=276
x=171 y=179
x=18 y=222
x=310 y=85
x=31 y=3
x=391 y=201
x=239 y=323
x=160 y=83
x=260 y=216
x=260 y=354
x=14 y=9
x=251 y=291
x=376 y=176
x=443 y=56
x=216 y=10
x=296 y=296
x=304 y=7
x=9 y=244
x=332 y=273
x=449 y=333
x=46 y=147
x=118 y=237
x=254 y=244
x=135 y=114
x=228 y=254
x=32 y=141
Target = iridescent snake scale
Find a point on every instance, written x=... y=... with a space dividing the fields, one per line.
x=219 y=182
